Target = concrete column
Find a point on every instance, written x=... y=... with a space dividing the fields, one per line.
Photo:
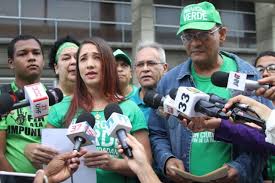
x=142 y=25
x=142 y=22
x=265 y=26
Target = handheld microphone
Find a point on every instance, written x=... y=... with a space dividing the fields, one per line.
x=6 y=103
x=81 y=133
x=54 y=96
x=118 y=125
x=164 y=104
x=239 y=116
x=220 y=102
x=235 y=81
x=194 y=103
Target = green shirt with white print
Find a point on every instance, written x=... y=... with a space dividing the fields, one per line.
x=103 y=142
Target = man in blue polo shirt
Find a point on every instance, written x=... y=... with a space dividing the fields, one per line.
x=150 y=66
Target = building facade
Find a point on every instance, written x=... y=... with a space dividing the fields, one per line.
x=250 y=23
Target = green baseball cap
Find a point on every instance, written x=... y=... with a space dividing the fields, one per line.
x=119 y=54
x=201 y=16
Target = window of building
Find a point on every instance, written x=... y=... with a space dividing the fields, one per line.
x=75 y=10
x=9 y=8
x=9 y=28
x=112 y=32
x=34 y=8
x=51 y=19
x=110 y=12
x=38 y=28
x=78 y=30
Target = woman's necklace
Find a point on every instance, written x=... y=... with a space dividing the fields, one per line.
x=97 y=116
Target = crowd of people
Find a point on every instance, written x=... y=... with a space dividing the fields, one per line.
x=91 y=76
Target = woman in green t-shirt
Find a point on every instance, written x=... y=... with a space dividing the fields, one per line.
x=62 y=59
x=96 y=87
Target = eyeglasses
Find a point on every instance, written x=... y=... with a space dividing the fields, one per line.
x=202 y=35
x=149 y=63
x=270 y=68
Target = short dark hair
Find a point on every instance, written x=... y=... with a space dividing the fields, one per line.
x=19 y=38
x=57 y=44
x=262 y=54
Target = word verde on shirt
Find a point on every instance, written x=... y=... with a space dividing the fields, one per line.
x=103 y=141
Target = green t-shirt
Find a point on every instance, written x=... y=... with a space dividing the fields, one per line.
x=132 y=93
x=103 y=142
x=21 y=129
x=206 y=153
x=271 y=168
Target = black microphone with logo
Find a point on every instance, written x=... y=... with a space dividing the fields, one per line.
x=239 y=112
x=165 y=105
x=55 y=96
x=224 y=79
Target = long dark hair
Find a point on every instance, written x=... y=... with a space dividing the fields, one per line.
x=109 y=86
x=56 y=46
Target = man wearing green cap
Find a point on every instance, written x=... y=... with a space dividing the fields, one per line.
x=124 y=71
x=174 y=145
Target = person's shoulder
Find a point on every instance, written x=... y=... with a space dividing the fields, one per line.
x=172 y=74
x=135 y=88
x=172 y=77
x=176 y=69
x=135 y=96
x=127 y=104
x=5 y=88
x=241 y=63
x=129 y=107
x=66 y=101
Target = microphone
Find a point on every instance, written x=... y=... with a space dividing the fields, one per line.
x=220 y=102
x=194 y=103
x=235 y=81
x=118 y=125
x=238 y=111
x=163 y=104
x=6 y=103
x=40 y=105
x=81 y=132
x=239 y=116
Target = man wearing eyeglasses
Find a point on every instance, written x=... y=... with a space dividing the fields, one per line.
x=173 y=145
x=150 y=65
x=265 y=64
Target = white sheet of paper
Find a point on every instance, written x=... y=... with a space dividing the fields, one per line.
x=56 y=138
